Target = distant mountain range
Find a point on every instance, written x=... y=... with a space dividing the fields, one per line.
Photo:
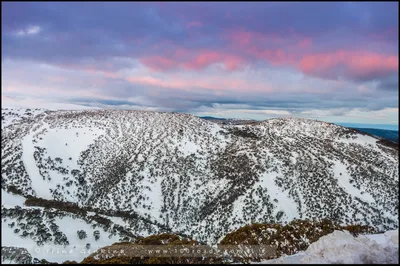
x=391 y=135
x=213 y=118
x=378 y=126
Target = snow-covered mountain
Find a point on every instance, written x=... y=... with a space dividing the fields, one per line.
x=135 y=173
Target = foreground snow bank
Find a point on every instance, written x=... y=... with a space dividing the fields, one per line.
x=342 y=247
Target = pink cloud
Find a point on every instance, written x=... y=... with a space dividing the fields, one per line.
x=275 y=57
x=346 y=63
x=250 y=46
x=215 y=83
x=244 y=38
x=353 y=64
x=185 y=59
x=232 y=62
x=159 y=63
x=203 y=59
x=89 y=68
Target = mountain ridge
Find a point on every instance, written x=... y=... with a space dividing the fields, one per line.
x=390 y=135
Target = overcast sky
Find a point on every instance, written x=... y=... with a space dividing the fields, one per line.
x=331 y=61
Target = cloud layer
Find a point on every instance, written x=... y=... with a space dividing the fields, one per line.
x=329 y=60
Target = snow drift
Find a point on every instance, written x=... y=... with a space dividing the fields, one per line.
x=340 y=247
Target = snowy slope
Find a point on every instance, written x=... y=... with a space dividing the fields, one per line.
x=15 y=115
x=181 y=173
x=61 y=225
